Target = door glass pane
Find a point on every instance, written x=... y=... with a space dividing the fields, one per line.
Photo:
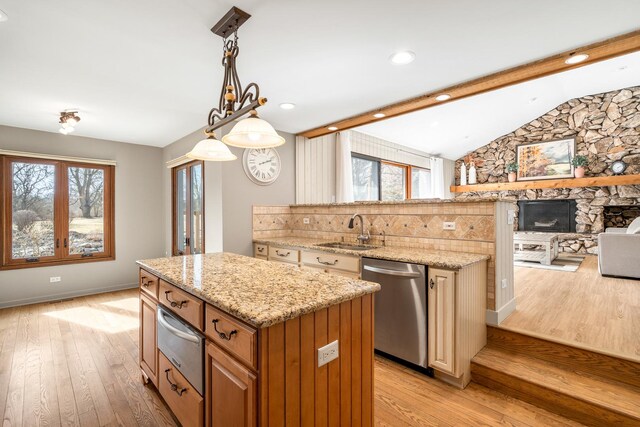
x=393 y=182
x=86 y=210
x=366 y=185
x=420 y=183
x=33 y=187
x=181 y=210
x=196 y=209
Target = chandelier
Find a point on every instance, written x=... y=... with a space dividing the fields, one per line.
x=234 y=103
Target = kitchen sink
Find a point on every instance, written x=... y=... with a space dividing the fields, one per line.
x=341 y=245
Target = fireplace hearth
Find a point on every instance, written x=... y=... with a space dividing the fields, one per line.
x=552 y=216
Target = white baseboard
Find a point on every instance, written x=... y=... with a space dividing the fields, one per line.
x=66 y=295
x=494 y=318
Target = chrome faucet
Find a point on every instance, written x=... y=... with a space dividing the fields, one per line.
x=362 y=238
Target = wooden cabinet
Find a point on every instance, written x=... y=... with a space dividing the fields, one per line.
x=148 y=343
x=235 y=337
x=442 y=312
x=149 y=284
x=184 y=400
x=260 y=251
x=183 y=304
x=341 y=265
x=290 y=256
x=231 y=391
x=456 y=320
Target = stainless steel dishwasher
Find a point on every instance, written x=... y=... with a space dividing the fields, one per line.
x=400 y=308
x=183 y=346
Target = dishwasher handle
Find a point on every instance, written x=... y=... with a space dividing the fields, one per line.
x=391 y=272
x=175 y=331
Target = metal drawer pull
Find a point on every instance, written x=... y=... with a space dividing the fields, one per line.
x=175 y=331
x=285 y=255
x=175 y=304
x=174 y=387
x=326 y=262
x=223 y=335
x=391 y=272
x=145 y=284
x=431 y=284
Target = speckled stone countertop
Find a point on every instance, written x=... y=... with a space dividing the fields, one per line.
x=440 y=259
x=262 y=293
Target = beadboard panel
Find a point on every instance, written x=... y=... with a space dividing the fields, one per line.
x=375 y=147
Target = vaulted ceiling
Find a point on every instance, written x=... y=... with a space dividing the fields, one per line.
x=148 y=71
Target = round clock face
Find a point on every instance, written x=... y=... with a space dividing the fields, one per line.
x=262 y=165
x=618 y=167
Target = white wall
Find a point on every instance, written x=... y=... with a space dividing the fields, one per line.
x=138 y=216
x=230 y=195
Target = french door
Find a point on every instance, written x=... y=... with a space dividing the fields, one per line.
x=188 y=208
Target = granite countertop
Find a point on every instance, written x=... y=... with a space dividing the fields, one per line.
x=262 y=293
x=433 y=258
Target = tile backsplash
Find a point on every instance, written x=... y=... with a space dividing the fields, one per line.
x=414 y=225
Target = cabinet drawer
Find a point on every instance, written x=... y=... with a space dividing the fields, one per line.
x=260 y=250
x=149 y=284
x=332 y=261
x=185 y=402
x=183 y=304
x=283 y=255
x=232 y=335
x=349 y=274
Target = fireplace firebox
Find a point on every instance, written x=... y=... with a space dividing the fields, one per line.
x=557 y=216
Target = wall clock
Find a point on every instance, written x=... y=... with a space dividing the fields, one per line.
x=618 y=167
x=262 y=165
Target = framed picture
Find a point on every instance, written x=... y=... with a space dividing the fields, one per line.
x=546 y=160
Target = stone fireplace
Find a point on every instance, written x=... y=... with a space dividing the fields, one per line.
x=548 y=216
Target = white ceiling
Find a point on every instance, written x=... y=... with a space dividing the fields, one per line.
x=452 y=130
x=148 y=71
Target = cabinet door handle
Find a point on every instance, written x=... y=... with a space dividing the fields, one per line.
x=260 y=249
x=431 y=283
x=326 y=262
x=223 y=335
x=174 y=387
x=175 y=304
x=282 y=255
x=145 y=284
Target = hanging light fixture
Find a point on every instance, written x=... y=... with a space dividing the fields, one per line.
x=68 y=121
x=211 y=149
x=236 y=101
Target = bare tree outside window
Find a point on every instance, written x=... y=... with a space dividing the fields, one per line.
x=86 y=210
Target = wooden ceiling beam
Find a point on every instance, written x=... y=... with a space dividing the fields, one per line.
x=600 y=51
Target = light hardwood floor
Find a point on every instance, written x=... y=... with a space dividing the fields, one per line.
x=76 y=363
x=581 y=308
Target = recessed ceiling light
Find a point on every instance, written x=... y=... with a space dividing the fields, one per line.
x=379 y=115
x=532 y=100
x=287 y=106
x=3 y=16
x=332 y=128
x=624 y=67
x=443 y=97
x=575 y=59
x=403 y=57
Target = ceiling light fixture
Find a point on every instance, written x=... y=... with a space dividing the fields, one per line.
x=236 y=101
x=379 y=115
x=403 y=57
x=211 y=149
x=443 y=97
x=287 y=106
x=68 y=120
x=332 y=128
x=576 y=58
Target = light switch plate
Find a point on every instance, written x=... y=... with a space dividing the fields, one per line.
x=328 y=353
x=448 y=225
x=54 y=279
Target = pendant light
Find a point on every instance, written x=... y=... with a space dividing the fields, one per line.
x=210 y=149
x=235 y=101
x=253 y=132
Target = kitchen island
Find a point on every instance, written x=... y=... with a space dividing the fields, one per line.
x=263 y=325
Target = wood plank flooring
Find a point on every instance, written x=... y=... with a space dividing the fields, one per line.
x=75 y=363
x=581 y=308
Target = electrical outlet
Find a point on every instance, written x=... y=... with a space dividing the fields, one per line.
x=305 y=220
x=504 y=283
x=448 y=225
x=327 y=353
x=54 y=279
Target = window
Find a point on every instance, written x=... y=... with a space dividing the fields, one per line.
x=420 y=183
x=56 y=212
x=188 y=208
x=375 y=179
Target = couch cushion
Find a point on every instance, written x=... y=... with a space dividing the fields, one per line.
x=634 y=227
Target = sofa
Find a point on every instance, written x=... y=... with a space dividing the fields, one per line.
x=619 y=251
